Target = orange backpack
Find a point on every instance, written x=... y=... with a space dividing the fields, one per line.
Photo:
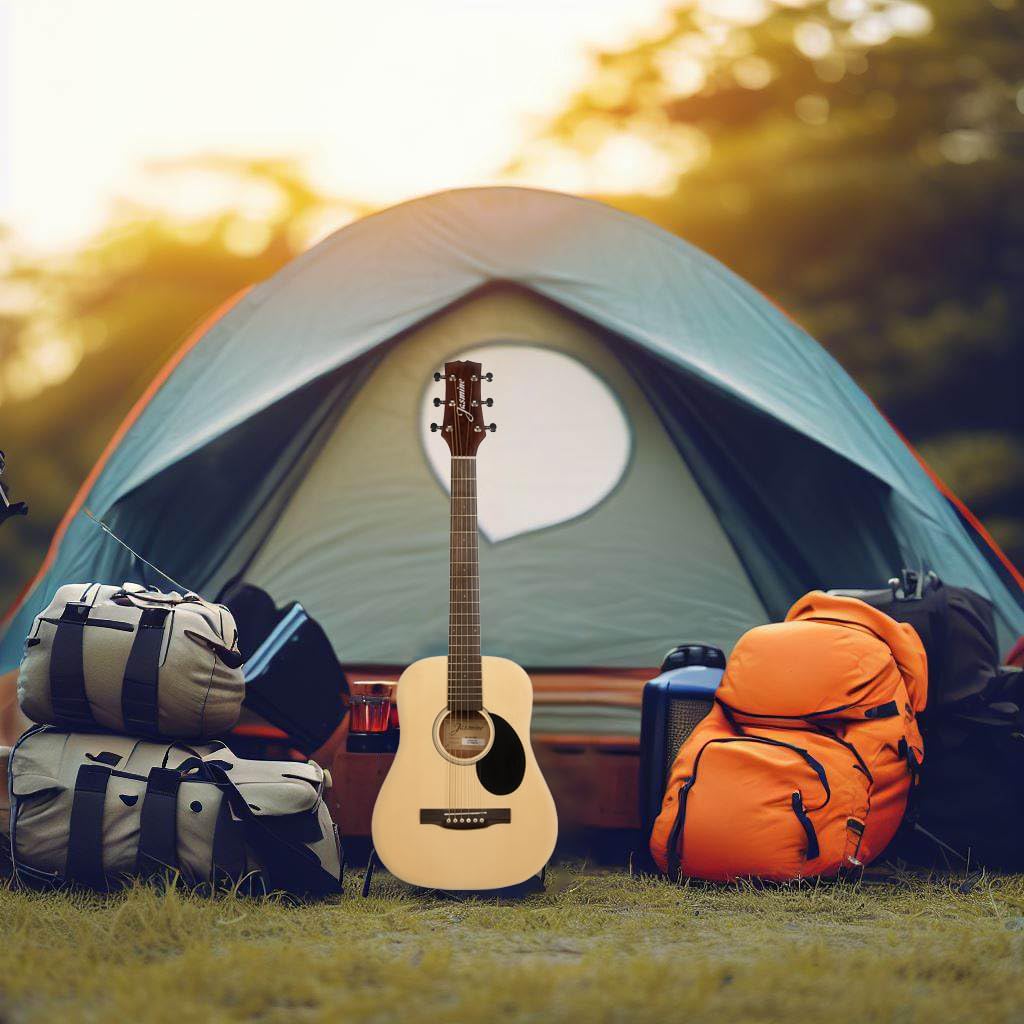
x=804 y=764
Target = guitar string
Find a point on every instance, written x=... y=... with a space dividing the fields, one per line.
x=465 y=666
x=471 y=622
x=453 y=650
x=467 y=650
x=451 y=597
x=453 y=628
x=475 y=668
x=468 y=633
x=456 y=651
x=451 y=592
x=460 y=632
x=451 y=631
x=463 y=638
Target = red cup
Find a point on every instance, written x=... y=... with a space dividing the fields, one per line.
x=371 y=706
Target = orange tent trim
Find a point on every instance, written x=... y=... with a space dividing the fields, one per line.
x=962 y=508
x=126 y=424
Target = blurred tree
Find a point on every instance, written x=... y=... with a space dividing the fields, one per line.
x=861 y=162
x=858 y=160
x=82 y=336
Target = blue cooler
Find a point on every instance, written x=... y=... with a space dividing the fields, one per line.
x=673 y=704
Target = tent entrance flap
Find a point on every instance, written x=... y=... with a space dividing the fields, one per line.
x=799 y=516
x=616 y=581
x=200 y=519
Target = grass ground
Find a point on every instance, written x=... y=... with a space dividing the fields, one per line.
x=596 y=946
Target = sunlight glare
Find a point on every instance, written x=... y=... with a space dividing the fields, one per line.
x=909 y=19
x=682 y=74
x=245 y=237
x=738 y=12
x=752 y=72
x=812 y=39
x=379 y=101
x=871 y=30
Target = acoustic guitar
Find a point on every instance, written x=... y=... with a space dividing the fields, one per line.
x=464 y=806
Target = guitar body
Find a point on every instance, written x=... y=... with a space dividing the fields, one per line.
x=464 y=806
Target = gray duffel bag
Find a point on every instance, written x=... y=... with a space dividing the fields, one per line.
x=98 y=809
x=132 y=660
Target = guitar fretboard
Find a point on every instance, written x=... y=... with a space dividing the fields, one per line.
x=464 y=682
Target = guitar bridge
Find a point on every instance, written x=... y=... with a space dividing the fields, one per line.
x=466 y=818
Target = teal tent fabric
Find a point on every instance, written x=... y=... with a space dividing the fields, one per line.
x=253 y=398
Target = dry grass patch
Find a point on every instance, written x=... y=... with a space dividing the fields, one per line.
x=595 y=947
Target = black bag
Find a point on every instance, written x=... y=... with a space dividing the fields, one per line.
x=292 y=676
x=956 y=626
x=294 y=681
x=967 y=809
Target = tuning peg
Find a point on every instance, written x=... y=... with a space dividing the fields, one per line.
x=488 y=401
x=488 y=376
x=437 y=401
x=492 y=427
x=438 y=376
x=434 y=427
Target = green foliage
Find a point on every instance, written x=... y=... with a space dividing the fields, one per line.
x=117 y=311
x=596 y=947
x=869 y=181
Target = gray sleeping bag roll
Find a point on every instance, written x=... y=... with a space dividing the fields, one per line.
x=132 y=660
x=97 y=810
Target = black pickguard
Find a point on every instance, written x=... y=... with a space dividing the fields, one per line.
x=502 y=769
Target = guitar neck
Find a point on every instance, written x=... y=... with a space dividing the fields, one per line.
x=464 y=675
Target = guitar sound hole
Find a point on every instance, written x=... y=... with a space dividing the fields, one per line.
x=464 y=734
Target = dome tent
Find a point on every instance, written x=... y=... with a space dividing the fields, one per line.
x=675 y=460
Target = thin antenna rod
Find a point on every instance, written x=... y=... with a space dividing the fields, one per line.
x=107 y=530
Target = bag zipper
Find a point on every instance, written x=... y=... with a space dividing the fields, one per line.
x=675 y=852
x=861 y=763
x=887 y=709
x=813 y=850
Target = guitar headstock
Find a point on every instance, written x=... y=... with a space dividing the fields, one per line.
x=463 y=427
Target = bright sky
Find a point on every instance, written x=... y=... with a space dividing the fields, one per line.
x=384 y=99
